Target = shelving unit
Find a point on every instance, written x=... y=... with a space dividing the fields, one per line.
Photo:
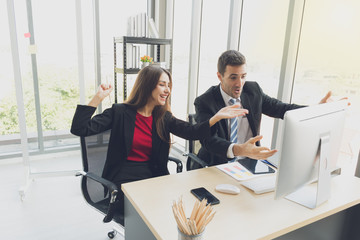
x=125 y=41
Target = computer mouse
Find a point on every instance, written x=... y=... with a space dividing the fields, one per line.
x=227 y=188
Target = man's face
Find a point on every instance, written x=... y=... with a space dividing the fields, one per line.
x=233 y=80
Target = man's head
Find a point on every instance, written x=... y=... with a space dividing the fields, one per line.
x=232 y=72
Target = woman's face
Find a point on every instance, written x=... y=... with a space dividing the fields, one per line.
x=161 y=91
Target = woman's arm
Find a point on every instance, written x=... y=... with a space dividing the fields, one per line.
x=202 y=130
x=104 y=90
x=83 y=124
x=227 y=112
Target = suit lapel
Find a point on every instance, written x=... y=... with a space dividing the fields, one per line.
x=219 y=102
x=129 y=127
x=245 y=101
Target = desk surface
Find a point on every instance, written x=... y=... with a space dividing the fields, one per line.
x=245 y=216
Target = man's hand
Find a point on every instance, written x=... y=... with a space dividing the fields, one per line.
x=328 y=98
x=249 y=149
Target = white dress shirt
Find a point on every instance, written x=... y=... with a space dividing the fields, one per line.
x=244 y=132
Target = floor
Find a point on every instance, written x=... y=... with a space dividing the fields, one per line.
x=53 y=207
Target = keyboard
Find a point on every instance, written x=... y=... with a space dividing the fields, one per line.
x=261 y=184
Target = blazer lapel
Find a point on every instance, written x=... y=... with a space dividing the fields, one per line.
x=219 y=101
x=129 y=127
x=156 y=143
x=245 y=101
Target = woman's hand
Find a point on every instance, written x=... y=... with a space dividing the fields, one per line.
x=103 y=91
x=227 y=112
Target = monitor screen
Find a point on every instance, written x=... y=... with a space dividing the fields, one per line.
x=308 y=132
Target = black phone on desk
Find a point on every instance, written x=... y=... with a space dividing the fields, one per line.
x=256 y=166
x=202 y=193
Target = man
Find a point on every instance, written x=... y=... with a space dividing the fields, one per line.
x=239 y=137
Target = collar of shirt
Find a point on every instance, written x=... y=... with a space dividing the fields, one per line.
x=227 y=98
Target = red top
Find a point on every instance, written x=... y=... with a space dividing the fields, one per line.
x=142 y=142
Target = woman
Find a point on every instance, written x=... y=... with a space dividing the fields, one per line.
x=140 y=128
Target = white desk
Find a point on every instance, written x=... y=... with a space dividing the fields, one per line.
x=255 y=216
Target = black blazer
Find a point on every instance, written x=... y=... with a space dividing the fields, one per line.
x=121 y=119
x=214 y=149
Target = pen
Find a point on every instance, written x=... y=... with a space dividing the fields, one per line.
x=268 y=163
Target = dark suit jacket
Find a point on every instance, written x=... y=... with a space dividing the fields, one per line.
x=121 y=119
x=214 y=149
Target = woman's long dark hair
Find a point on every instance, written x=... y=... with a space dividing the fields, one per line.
x=145 y=83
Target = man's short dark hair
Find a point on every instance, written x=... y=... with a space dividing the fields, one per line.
x=232 y=58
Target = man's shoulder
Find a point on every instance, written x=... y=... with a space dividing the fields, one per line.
x=251 y=85
x=210 y=92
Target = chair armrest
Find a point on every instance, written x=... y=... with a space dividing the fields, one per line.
x=196 y=159
x=113 y=189
x=179 y=165
x=110 y=185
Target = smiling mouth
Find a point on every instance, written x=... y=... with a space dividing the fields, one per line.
x=163 y=97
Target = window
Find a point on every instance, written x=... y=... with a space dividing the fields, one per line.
x=262 y=41
x=113 y=23
x=180 y=69
x=9 y=126
x=56 y=63
x=214 y=32
x=329 y=60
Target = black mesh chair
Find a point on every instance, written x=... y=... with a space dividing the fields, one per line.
x=97 y=191
x=193 y=161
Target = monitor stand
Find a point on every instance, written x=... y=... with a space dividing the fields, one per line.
x=312 y=195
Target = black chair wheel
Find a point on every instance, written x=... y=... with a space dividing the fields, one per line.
x=112 y=234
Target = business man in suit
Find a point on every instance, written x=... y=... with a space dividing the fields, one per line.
x=243 y=140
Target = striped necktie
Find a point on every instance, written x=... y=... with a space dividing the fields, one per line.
x=233 y=124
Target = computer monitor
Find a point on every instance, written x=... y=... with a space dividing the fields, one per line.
x=310 y=145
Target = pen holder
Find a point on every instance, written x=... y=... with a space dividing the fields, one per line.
x=192 y=228
x=183 y=236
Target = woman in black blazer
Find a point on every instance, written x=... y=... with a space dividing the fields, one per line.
x=140 y=128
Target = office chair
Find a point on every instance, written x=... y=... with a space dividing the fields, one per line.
x=193 y=161
x=97 y=191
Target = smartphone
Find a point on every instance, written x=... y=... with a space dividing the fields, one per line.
x=202 y=193
x=256 y=166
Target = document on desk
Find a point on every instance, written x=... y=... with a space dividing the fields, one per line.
x=236 y=170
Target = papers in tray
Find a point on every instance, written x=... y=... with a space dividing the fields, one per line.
x=236 y=170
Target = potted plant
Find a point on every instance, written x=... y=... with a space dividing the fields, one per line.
x=146 y=60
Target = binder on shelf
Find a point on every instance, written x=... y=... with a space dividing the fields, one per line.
x=138 y=26
x=143 y=24
x=153 y=30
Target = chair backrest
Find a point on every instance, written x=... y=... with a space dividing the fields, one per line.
x=194 y=145
x=357 y=171
x=94 y=150
x=193 y=161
